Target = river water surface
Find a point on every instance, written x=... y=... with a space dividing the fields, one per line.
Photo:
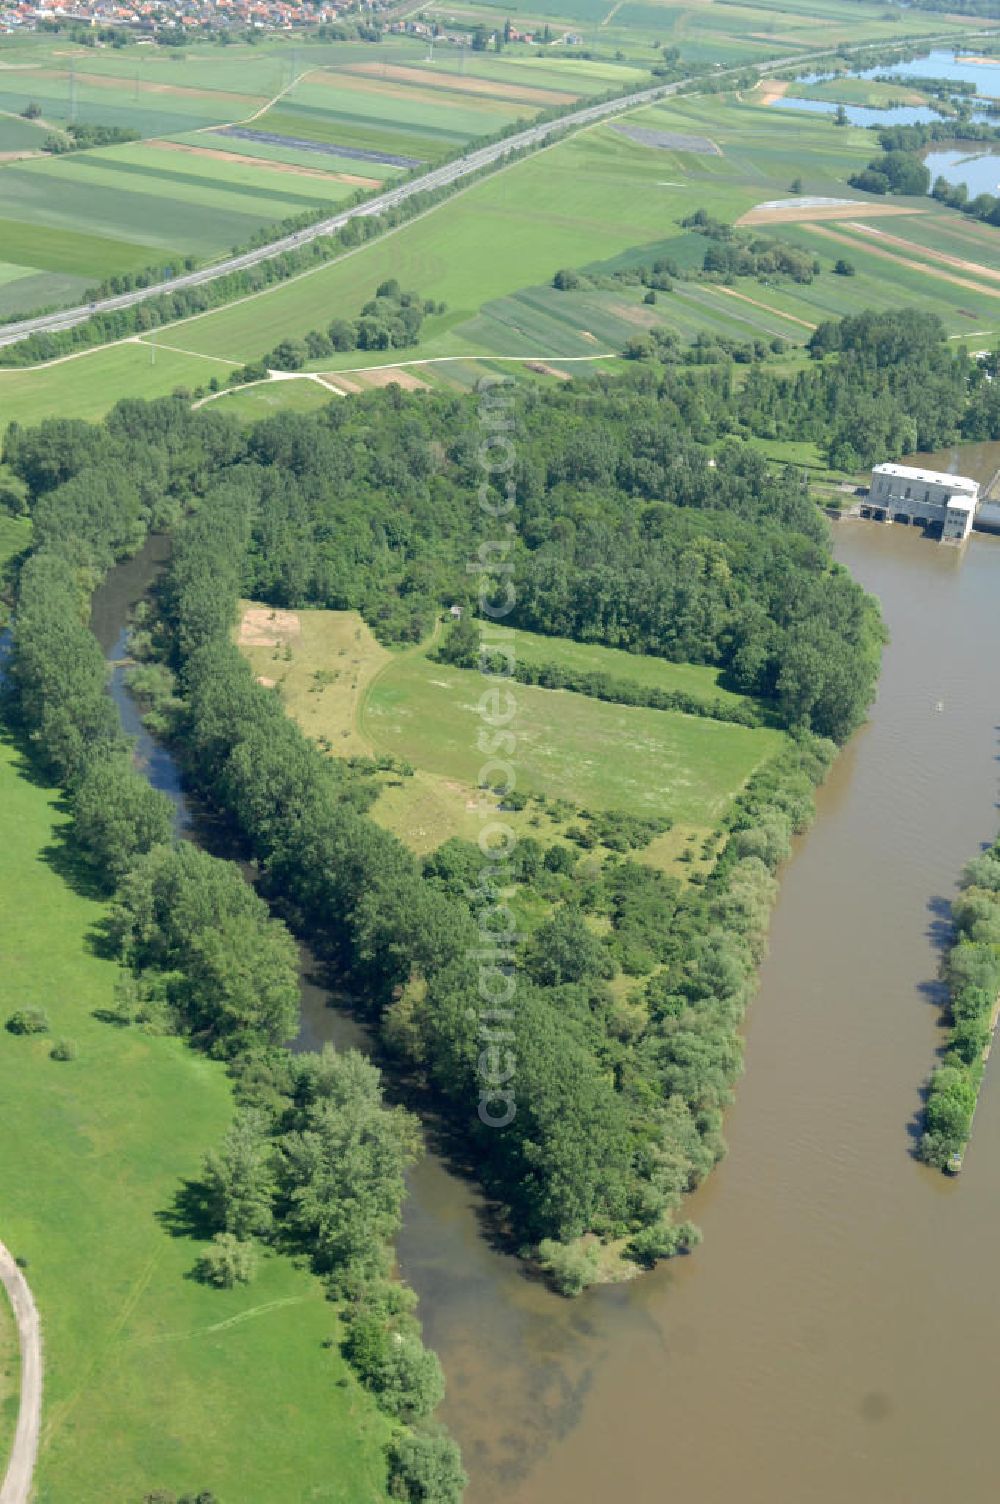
x=837 y=1336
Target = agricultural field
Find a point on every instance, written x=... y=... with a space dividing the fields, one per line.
x=705 y=31
x=152 y=1379
x=358 y=698
x=597 y=201
x=233 y=141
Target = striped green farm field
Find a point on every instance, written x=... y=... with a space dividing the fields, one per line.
x=261 y=193
x=60 y=193
x=267 y=153
x=591 y=199
x=705 y=31
x=599 y=755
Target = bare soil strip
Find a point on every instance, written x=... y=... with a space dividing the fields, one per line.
x=915 y=266
x=731 y=292
x=806 y=214
x=387 y=375
x=16 y=1486
x=924 y=252
x=266 y=163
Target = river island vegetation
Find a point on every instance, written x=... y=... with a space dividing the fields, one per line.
x=971 y=973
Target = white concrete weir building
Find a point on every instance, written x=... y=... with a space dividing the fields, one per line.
x=902 y=493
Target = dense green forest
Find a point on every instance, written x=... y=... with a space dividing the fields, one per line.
x=639 y=523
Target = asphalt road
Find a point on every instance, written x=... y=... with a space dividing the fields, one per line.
x=16 y=1486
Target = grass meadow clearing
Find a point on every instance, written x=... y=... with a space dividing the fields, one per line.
x=356 y=697
x=569 y=746
x=152 y=1379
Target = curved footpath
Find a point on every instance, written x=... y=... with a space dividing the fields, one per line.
x=438 y=177
x=16 y=1486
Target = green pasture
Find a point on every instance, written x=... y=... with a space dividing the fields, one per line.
x=599 y=755
x=20 y=135
x=152 y=1379
x=640 y=669
x=863 y=91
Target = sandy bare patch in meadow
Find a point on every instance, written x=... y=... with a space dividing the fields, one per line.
x=542 y=368
x=265 y=163
x=344 y=384
x=266 y=627
x=634 y=313
x=770 y=90
x=390 y=376
x=787 y=211
x=461 y=84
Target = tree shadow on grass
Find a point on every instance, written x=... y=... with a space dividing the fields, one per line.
x=66 y=859
x=190 y=1213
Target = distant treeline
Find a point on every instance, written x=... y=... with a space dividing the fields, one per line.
x=972 y=974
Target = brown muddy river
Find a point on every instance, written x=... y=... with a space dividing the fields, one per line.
x=837 y=1336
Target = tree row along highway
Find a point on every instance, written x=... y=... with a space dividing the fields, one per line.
x=438 y=177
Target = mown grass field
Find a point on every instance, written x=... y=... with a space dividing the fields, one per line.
x=357 y=698
x=639 y=669
x=601 y=756
x=152 y=1380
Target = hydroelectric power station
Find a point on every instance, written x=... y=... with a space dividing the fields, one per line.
x=932 y=499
